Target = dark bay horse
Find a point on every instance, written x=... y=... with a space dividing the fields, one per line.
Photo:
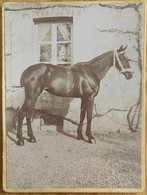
x=82 y=80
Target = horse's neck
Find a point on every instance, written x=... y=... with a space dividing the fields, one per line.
x=100 y=66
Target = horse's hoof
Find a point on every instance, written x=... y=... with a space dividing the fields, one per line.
x=92 y=141
x=32 y=139
x=80 y=137
x=20 y=142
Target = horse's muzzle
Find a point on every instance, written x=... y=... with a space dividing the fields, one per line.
x=128 y=75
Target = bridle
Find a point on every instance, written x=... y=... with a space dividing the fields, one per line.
x=123 y=70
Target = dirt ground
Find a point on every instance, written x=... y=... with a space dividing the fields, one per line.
x=59 y=160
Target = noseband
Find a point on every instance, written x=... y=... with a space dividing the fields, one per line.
x=123 y=70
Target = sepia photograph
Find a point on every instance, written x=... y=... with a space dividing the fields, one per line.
x=73 y=101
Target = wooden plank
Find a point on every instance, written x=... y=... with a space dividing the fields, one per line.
x=53 y=19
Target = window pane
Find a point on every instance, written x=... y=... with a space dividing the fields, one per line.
x=44 y=32
x=63 y=32
x=64 y=52
x=45 y=52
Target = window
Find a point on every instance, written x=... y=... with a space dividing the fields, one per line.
x=55 y=40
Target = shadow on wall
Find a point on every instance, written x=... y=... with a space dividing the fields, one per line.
x=52 y=104
x=52 y=109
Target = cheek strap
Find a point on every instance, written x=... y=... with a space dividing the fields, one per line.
x=123 y=70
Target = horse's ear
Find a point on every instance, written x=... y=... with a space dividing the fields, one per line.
x=124 y=48
x=120 y=49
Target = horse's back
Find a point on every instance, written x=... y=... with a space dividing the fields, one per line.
x=45 y=71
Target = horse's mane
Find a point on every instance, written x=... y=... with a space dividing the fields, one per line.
x=79 y=65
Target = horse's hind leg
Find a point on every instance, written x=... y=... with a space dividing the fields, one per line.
x=26 y=110
x=21 y=116
x=34 y=91
x=29 y=127
x=82 y=117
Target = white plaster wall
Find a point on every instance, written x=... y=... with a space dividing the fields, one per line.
x=90 y=39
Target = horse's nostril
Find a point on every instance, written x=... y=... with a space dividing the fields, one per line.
x=128 y=75
x=131 y=75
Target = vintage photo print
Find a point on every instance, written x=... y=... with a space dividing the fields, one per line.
x=73 y=97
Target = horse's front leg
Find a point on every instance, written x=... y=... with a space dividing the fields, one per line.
x=82 y=117
x=90 y=102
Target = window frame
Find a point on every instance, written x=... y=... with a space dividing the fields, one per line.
x=54 y=42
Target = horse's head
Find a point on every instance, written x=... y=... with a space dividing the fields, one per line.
x=120 y=61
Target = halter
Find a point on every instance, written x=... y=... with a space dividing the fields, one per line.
x=123 y=70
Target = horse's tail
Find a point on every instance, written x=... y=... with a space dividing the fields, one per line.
x=22 y=80
x=24 y=76
x=15 y=119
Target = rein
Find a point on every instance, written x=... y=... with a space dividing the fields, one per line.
x=123 y=70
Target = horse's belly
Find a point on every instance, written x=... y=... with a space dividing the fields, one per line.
x=60 y=87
